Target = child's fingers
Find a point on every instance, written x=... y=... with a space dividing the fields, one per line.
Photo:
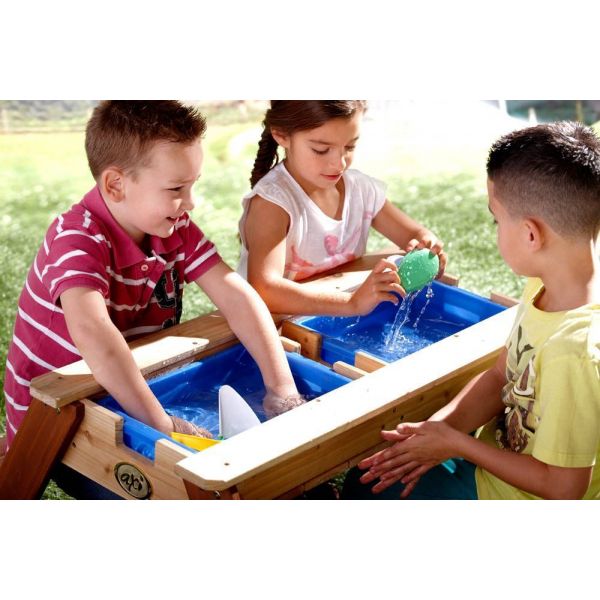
x=386 y=282
x=201 y=432
x=378 y=286
x=365 y=463
x=409 y=429
x=392 y=287
x=384 y=264
x=394 y=436
x=384 y=297
x=383 y=292
x=186 y=427
x=395 y=457
x=379 y=457
x=390 y=477
x=415 y=474
x=275 y=405
x=432 y=243
x=382 y=485
x=435 y=245
x=443 y=261
x=368 y=477
x=399 y=472
x=387 y=277
x=408 y=488
x=386 y=288
x=412 y=244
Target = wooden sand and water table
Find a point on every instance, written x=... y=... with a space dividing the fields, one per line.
x=282 y=457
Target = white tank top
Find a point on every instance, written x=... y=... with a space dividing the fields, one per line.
x=315 y=242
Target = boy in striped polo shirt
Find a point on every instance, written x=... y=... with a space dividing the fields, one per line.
x=113 y=266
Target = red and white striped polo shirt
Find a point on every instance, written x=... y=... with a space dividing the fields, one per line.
x=86 y=247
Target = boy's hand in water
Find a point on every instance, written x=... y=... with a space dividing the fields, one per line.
x=427 y=239
x=377 y=288
x=183 y=426
x=275 y=405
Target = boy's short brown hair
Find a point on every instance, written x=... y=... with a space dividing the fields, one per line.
x=121 y=132
x=550 y=171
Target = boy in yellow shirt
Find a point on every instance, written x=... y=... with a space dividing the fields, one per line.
x=538 y=407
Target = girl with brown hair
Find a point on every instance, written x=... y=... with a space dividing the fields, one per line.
x=311 y=212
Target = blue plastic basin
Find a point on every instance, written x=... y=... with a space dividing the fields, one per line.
x=191 y=392
x=450 y=310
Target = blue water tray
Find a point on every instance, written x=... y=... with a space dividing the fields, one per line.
x=191 y=392
x=450 y=310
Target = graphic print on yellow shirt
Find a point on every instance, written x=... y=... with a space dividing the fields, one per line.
x=520 y=422
x=551 y=395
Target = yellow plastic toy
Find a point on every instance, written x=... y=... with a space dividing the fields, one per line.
x=193 y=441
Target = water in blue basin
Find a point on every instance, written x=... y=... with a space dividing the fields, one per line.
x=445 y=312
x=191 y=392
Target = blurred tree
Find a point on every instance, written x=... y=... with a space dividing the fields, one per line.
x=586 y=111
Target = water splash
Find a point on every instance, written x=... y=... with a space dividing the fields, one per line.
x=353 y=324
x=394 y=339
x=428 y=297
x=394 y=336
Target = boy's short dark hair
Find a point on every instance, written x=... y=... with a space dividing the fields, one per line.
x=120 y=132
x=550 y=171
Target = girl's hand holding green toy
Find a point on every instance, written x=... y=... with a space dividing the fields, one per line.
x=417 y=269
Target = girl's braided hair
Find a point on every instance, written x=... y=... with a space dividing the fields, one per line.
x=289 y=116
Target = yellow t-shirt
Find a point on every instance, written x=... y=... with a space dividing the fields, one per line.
x=552 y=396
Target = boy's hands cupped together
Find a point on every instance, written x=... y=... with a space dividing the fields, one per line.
x=418 y=447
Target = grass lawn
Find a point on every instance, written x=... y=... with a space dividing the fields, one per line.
x=440 y=184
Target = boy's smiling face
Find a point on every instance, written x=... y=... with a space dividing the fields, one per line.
x=160 y=192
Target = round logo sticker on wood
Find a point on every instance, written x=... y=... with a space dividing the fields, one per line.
x=132 y=480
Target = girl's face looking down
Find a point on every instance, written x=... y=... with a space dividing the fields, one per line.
x=316 y=158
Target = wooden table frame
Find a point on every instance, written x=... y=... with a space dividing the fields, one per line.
x=280 y=459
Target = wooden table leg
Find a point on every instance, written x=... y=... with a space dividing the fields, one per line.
x=2 y=448
x=40 y=443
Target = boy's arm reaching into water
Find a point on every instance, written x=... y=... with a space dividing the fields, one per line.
x=252 y=323
x=266 y=229
x=108 y=356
